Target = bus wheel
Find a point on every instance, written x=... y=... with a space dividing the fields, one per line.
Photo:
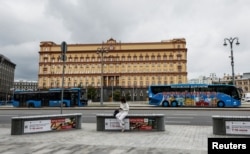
x=220 y=104
x=174 y=104
x=165 y=104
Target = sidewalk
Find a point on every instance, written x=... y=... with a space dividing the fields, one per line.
x=176 y=139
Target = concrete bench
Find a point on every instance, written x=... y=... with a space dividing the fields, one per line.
x=133 y=122
x=45 y=123
x=231 y=125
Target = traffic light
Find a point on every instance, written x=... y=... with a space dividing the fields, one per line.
x=64 y=50
x=64 y=47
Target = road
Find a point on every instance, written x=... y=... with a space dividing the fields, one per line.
x=177 y=116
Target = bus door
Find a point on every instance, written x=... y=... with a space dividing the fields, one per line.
x=44 y=97
x=74 y=99
x=22 y=100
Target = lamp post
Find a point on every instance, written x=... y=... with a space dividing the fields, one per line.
x=133 y=92
x=112 y=88
x=63 y=57
x=13 y=93
x=231 y=40
x=101 y=51
x=87 y=91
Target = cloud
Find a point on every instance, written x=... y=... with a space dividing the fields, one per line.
x=204 y=25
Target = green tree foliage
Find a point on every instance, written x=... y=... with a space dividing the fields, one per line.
x=91 y=92
x=128 y=97
x=117 y=95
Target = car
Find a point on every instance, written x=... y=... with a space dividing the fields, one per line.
x=247 y=99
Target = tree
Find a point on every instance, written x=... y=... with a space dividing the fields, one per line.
x=128 y=97
x=91 y=92
x=117 y=95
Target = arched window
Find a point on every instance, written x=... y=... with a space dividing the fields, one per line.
x=164 y=57
x=135 y=58
x=141 y=57
x=153 y=57
x=76 y=59
x=129 y=58
x=158 y=57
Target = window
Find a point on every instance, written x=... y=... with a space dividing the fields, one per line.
x=152 y=57
x=81 y=59
x=129 y=58
x=171 y=57
x=117 y=58
x=45 y=60
x=111 y=58
x=179 y=68
x=179 y=57
x=141 y=57
x=135 y=58
x=99 y=58
x=76 y=59
x=158 y=57
x=123 y=58
x=141 y=83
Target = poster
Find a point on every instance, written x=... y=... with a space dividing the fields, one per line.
x=141 y=123
x=63 y=123
x=37 y=126
x=238 y=127
x=113 y=124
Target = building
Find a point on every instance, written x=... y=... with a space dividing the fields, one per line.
x=241 y=81
x=127 y=67
x=205 y=80
x=227 y=79
x=7 y=71
x=244 y=82
x=25 y=85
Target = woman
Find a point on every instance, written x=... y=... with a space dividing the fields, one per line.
x=124 y=108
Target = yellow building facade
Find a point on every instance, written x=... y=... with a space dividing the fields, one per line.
x=129 y=67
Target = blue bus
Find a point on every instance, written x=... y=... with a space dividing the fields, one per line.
x=212 y=95
x=50 y=98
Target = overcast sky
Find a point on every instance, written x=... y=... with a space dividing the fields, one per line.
x=203 y=23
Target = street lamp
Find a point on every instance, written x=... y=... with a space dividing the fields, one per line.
x=101 y=51
x=13 y=92
x=112 y=88
x=87 y=91
x=63 y=58
x=231 y=40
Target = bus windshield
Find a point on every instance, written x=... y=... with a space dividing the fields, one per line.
x=194 y=95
